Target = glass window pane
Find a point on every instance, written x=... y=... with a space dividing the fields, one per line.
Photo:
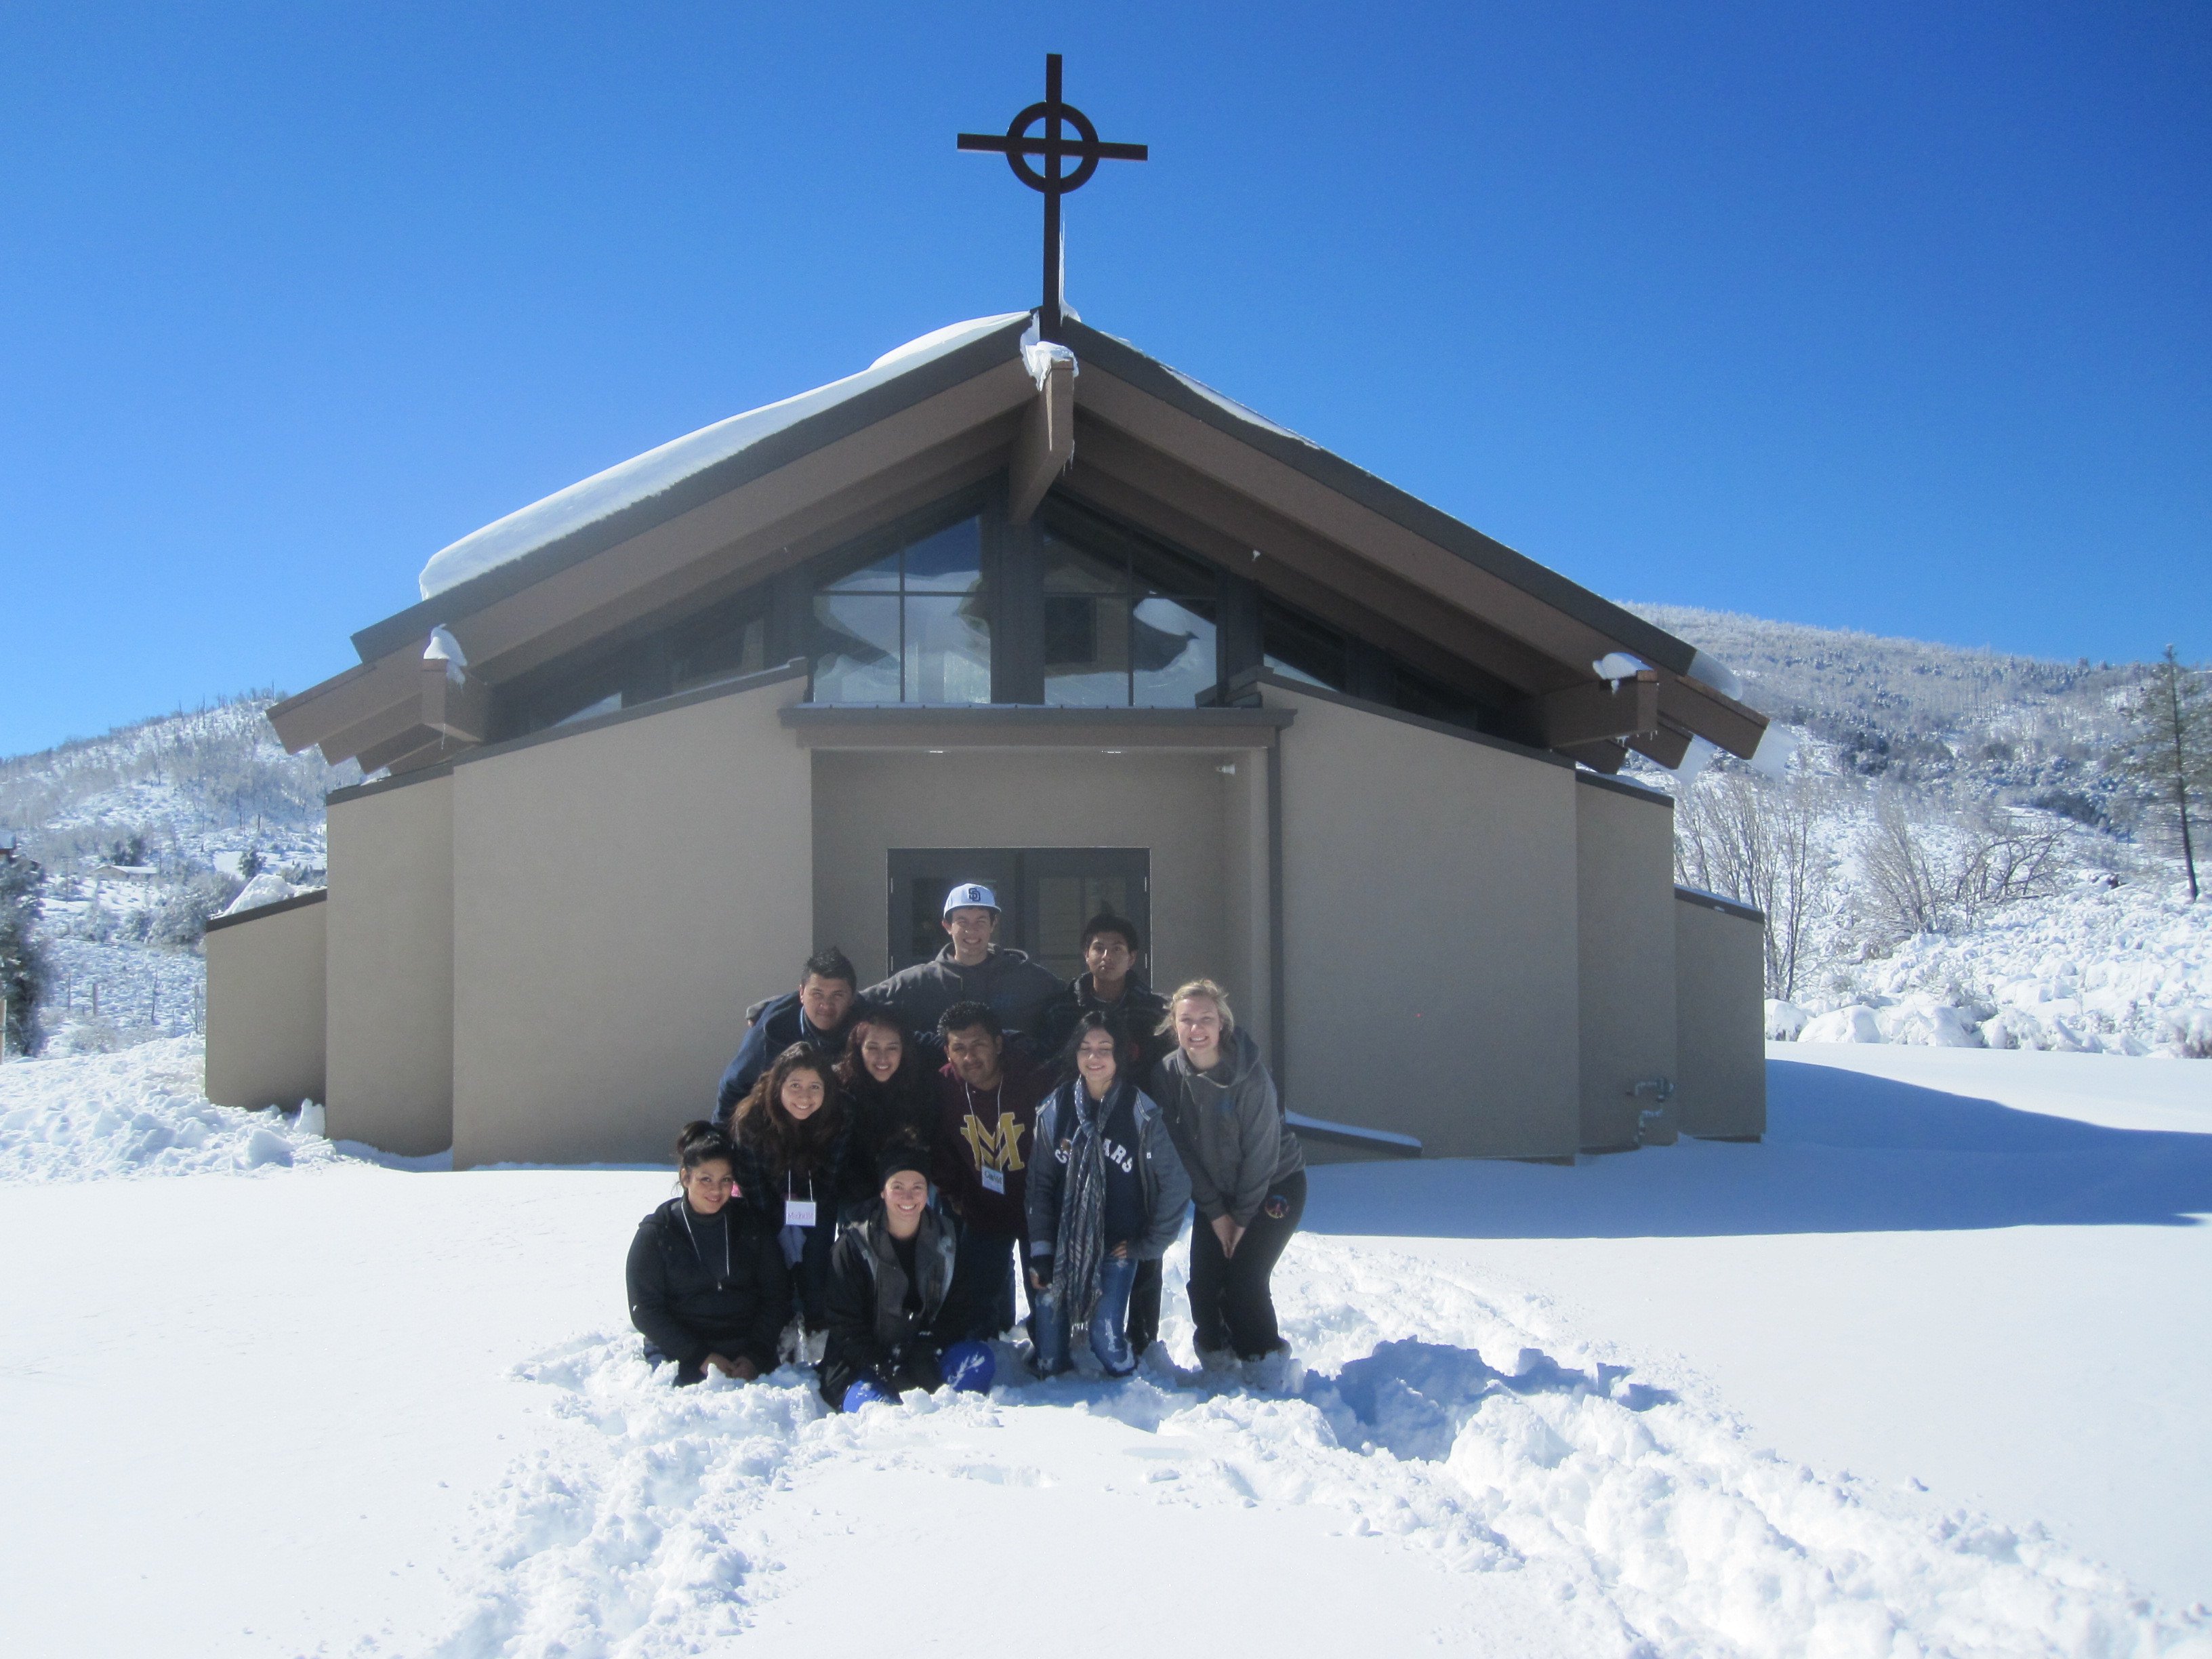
x=856 y=648
x=1300 y=649
x=948 y=650
x=880 y=577
x=1086 y=651
x=951 y=561
x=1072 y=570
x=1171 y=654
x=740 y=650
x=1158 y=571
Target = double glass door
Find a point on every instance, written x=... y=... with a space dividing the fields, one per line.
x=1045 y=895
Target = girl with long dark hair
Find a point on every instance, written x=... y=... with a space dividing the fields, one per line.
x=891 y=1101
x=1106 y=1191
x=791 y=1151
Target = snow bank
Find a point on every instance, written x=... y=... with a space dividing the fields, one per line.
x=646 y=476
x=140 y=1112
x=1642 y=1524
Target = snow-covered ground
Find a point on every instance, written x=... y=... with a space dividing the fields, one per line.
x=294 y=1402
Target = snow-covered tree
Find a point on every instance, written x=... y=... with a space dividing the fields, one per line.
x=23 y=965
x=2170 y=753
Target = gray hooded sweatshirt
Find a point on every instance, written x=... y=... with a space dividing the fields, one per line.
x=1229 y=1128
x=1014 y=987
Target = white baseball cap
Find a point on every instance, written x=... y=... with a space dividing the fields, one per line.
x=971 y=894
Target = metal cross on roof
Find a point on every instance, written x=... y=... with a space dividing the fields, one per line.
x=1018 y=146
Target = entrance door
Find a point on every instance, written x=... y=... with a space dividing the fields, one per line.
x=1045 y=895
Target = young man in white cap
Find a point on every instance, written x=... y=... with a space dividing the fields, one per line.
x=970 y=969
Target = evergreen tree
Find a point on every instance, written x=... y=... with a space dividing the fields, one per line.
x=22 y=966
x=2170 y=752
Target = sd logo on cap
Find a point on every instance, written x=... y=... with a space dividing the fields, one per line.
x=971 y=896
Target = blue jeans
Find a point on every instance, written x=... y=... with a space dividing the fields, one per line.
x=1109 y=1339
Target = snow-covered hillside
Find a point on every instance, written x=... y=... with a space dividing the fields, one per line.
x=1914 y=1377
x=144 y=834
x=1952 y=857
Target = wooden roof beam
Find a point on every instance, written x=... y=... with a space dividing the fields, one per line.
x=1046 y=444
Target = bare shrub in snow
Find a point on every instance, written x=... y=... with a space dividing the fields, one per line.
x=1757 y=841
x=1923 y=871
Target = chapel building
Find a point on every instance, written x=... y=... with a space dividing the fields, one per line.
x=1045 y=615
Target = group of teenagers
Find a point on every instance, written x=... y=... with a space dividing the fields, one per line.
x=882 y=1167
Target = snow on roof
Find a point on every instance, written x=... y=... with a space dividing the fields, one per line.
x=647 y=475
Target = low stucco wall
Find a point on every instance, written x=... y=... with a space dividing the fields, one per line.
x=1428 y=934
x=1176 y=803
x=265 y=1040
x=1720 y=980
x=1625 y=927
x=391 y=965
x=619 y=890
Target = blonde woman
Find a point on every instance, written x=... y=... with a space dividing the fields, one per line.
x=1247 y=1175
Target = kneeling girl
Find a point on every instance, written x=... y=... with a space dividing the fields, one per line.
x=1106 y=1192
x=887 y=1277
x=708 y=1285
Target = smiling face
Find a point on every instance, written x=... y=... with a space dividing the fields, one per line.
x=975 y=1055
x=970 y=926
x=803 y=1092
x=709 y=1186
x=906 y=1194
x=1096 y=1061
x=1198 y=1029
x=825 y=1001
x=882 y=1048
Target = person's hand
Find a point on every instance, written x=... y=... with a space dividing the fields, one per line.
x=1235 y=1238
x=744 y=1371
x=1226 y=1229
x=1119 y=1252
x=1040 y=1273
x=728 y=1367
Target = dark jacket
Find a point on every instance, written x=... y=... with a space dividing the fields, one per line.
x=1160 y=1174
x=761 y=1185
x=994 y=1132
x=1141 y=1007
x=1014 y=987
x=904 y=1112
x=870 y=1332
x=1229 y=1128
x=688 y=1307
x=783 y=1022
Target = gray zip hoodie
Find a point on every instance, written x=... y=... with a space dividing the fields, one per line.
x=1228 y=1127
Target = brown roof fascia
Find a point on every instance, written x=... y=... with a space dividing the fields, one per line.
x=1004 y=725
x=795 y=442
x=1111 y=364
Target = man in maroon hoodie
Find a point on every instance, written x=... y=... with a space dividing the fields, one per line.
x=987 y=1098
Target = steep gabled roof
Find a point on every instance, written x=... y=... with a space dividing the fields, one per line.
x=733 y=503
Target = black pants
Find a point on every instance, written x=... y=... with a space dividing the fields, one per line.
x=979 y=1305
x=1145 y=1307
x=1231 y=1302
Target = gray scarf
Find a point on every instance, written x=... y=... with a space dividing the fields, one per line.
x=1081 y=1245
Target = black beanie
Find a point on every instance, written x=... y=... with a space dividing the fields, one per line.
x=897 y=1156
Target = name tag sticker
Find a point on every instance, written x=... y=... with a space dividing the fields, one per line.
x=995 y=1181
x=798 y=1213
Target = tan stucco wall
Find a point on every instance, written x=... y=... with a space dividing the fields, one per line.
x=1175 y=803
x=1247 y=957
x=264 y=1009
x=1720 y=986
x=620 y=890
x=1428 y=937
x=390 y=967
x=1624 y=881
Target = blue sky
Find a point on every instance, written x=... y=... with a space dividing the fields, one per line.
x=1888 y=317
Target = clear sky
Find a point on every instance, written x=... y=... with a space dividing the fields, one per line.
x=1892 y=317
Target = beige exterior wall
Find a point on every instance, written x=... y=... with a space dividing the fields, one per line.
x=1176 y=803
x=1720 y=988
x=1625 y=926
x=1428 y=934
x=264 y=1009
x=1247 y=963
x=622 y=892
x=390 y=1023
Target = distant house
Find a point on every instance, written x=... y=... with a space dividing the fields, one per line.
x=1052 y=617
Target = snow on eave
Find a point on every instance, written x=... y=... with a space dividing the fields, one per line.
x=643 y=477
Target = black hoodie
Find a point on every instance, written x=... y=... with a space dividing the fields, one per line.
x=701 y=1286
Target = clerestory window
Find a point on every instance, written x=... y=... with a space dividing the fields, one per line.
x=1126 y=623
x=912 y=625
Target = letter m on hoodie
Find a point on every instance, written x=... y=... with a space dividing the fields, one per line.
x=994 y=1149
